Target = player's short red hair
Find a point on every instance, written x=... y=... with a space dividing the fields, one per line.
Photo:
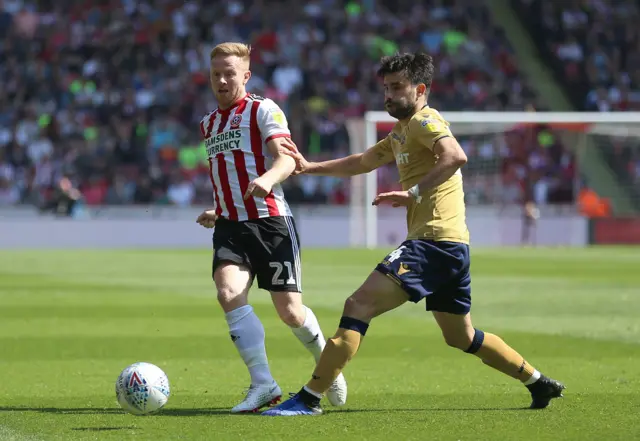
x=240 y=50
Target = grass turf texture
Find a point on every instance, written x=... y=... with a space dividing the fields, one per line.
x=70 y=321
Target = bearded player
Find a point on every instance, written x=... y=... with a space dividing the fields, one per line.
x=433 y=262
x=255 y=234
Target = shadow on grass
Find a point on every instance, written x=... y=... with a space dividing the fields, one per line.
x=115 y=411
x=101 y=429
x=177 y=412
x=449 y=409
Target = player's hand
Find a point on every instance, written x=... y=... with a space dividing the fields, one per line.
x=289 y=148
x=396 y=198
x=259 y=188
x=207 y=219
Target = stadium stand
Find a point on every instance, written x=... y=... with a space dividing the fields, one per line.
x=594 y=49
x=109 y=93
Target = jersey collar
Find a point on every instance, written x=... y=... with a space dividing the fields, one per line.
x=404 y=124
x=233 y=106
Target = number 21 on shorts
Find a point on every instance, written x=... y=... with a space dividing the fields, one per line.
x=277 y=280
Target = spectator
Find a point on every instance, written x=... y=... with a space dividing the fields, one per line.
x=113 y=91
x=594 y=46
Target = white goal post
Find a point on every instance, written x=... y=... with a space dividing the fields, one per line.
x=363 y=133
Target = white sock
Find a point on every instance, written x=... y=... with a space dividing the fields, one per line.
x=534 y=377
x=247 y=334
x=310 y=334
x=313 y=392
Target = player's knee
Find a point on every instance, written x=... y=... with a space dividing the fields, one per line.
x=458 y=340
x=289 y=308
x=232 y=283
x=358 y=306
x=230 y=298
x=291 y=315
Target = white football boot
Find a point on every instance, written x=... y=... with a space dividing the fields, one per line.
x=259 y=396
x=337 y=393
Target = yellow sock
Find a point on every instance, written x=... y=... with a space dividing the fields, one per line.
x=336 y=354
x=496 y=353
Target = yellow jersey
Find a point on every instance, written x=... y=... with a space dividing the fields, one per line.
x=440 y=216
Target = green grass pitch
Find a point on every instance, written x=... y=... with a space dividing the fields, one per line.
x=70 y=321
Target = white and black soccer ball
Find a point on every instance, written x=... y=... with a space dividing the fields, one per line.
x=142 y=389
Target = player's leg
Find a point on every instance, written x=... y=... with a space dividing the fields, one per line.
x=278 y=270
x=300 y=319
x=377 y=295
x=451 y=305
x=304 y=325
x=458 y=332
x=247 y=333
x=233 y=278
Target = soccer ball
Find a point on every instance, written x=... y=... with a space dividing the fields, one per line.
x=142 y=389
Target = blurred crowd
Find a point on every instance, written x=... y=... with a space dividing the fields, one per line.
x=109 y=93
x=594 y=46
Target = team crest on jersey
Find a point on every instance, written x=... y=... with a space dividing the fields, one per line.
x=235 y=121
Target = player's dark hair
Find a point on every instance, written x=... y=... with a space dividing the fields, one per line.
x=417 y=67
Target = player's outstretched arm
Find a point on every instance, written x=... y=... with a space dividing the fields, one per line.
x=450 y=158
x=351 y=165
x=282 y=167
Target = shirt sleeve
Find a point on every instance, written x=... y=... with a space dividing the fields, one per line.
x=382 y=147
x=272 y=121
x=430 y=130
x=379 y=154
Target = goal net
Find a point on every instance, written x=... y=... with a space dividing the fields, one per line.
x=544 y=157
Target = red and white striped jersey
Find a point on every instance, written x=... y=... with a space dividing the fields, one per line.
x=236 y=142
